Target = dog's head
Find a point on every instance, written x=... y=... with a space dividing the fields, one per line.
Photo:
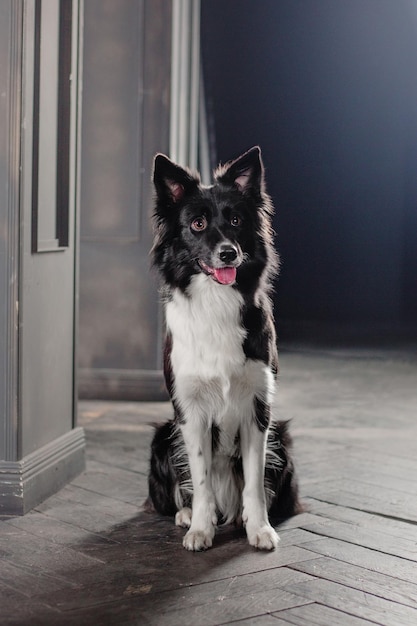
x=222 y=231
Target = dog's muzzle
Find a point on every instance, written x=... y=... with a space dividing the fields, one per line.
x=223 y=264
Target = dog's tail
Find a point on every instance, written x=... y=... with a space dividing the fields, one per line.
x=280 y=479
x=162 y=476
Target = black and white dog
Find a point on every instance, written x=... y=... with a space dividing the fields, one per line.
x=221 y=459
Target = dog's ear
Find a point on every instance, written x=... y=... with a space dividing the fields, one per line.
x=246 y=172
x=171 y=181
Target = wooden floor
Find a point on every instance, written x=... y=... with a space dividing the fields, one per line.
x=89 y=555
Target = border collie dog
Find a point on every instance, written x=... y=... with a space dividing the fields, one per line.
x=222 y=458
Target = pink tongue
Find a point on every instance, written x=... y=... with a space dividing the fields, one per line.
x=225 y=275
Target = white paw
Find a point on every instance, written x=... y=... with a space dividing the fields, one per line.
x=183 y=518
x=264 y=538
x=197 y=540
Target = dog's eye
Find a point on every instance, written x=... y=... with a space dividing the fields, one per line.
x=199 y=224
x=235 y=220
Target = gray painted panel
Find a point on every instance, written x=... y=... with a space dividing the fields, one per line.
x=10 y=77
x=112 y=118
x=125 y=121
x=48 y=297
x=118 y=325
x=4 y=226
x=48 y=122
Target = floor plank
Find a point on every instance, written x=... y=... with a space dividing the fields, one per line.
x=356 y=602
x=118 y=483
x=401 y=569
x=218 y=611
x=381 y=585
x=325 y=511
x=318 y=614
x=379 y=499
x=17 y=611
x=376 y=540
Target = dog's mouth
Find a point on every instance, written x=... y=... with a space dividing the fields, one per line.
x=222 y=275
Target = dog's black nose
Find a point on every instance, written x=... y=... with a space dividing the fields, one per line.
x=228 y=254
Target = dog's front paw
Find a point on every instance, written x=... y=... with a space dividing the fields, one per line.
x=263 y=538
x=197 y=540
x=183 y=517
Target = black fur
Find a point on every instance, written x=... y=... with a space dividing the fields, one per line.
x=163 y=475
x=283 y=481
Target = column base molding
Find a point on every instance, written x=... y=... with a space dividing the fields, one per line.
x=26 y=483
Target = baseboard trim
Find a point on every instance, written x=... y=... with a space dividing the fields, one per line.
x=114 y=384
x=26 y=483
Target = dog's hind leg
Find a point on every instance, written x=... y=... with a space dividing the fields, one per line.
x=260 y=533
x=183 y=517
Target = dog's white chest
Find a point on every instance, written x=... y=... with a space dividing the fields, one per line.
x=206 y=330
x=213 y=379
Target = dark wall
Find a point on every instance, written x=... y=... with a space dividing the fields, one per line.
x=328 y=89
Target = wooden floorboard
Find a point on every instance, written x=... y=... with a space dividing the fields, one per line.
x=367 y=537
x=356 y=602
x=90 y=555
x=315 y=614
x=372 y=560
x=326 y=510
x=381 y=585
